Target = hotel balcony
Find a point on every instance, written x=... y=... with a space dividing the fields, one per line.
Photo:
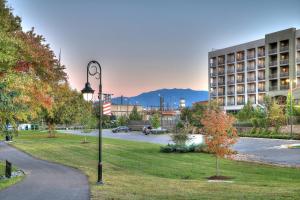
x=230 y=92
x=250 y=67
x=284 y=48
x=231 y=103
x=260 y=78
x=214 y=64
x=251 y=90
x=261 y=54
x=250 y=57
x=213 y=94
x=221 y=93
x=298 y=46
x=261 y=101
x=213 y=84
x=230 y=82
x=221 y=83
x=273 y=51
x=240 y=58
x=250 y=79
x=284 y=87
x=221 y=62
x=272 y=76
x=240 y=80
x=214 y=74
x=284 y=62
x=240 y=69
x=298 y=73
x=241 y=102
x=240 y=91
x=273 y=63
x=284 y=74
x=260 y=65
x=261 y=89
x=221 y=72
x=229 y=61
x=273 y=88
x=298 y=60
x=230 y=71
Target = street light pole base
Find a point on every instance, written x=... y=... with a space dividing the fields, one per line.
x=100 y=183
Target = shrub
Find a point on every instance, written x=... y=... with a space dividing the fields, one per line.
x=173 y=148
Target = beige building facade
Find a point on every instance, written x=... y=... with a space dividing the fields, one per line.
x=250 y=71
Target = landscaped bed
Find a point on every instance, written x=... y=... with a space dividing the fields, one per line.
x=6 y=182
x=137 y=170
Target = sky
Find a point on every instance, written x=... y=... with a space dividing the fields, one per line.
x=147 y=45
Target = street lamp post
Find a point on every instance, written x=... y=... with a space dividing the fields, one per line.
x=94 y=69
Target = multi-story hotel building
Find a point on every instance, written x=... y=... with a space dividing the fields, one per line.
x=247 y=72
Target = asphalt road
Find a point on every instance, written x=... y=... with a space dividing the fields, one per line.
x=257 y=149
x=44 y=180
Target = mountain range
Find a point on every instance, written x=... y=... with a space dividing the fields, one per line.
x=171 y=97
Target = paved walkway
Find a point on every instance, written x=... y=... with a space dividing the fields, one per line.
x=44 y=180
x=257 y=149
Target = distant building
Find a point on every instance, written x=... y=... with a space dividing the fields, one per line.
x=124 y=109
x=182 y=103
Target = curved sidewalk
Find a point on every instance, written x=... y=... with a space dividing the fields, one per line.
x=44 y=180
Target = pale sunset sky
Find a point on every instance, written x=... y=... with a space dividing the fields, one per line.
x=147 y=45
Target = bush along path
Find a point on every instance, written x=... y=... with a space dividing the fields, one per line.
x=44 y=180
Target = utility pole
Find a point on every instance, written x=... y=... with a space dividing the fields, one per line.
x=161 y=110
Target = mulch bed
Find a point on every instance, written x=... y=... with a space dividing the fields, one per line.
x=220 y=178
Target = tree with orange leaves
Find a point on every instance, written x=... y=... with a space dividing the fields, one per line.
x=220 y=134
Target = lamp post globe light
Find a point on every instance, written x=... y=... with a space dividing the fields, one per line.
x=94 y=69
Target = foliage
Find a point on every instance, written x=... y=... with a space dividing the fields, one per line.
x=182 y=136
x=122 y=120
x=290 y=105
x=193 y=115
x=28 y=69
x=155 y=120
x=246 y=113
x=220 y=134
x=135 y=115
x=68 y=107
x=174 y=148
x=276 y=116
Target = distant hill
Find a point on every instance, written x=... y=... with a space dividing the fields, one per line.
x=171 y=97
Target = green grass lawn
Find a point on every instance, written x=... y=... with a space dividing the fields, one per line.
x=136 y=170
x=4 y=183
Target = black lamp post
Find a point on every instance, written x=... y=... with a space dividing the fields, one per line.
x=94 y=69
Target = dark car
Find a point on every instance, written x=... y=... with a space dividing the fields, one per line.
x=147 y=130
x=121 y=129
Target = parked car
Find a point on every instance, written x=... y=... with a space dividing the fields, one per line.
x=121 y=129
x=148 y=129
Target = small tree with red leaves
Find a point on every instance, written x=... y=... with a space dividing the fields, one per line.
x=220 y=134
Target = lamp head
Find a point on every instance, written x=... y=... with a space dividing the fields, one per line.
x=87 y=92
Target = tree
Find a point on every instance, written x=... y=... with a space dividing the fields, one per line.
x=276 y=116
x=246 y=113
x=220 y=134
x=155 y=120
x=135 y=115
x=68 y=107
x=122 y=120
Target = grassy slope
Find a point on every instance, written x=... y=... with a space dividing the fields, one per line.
x=7 y=182
x=134 y=170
